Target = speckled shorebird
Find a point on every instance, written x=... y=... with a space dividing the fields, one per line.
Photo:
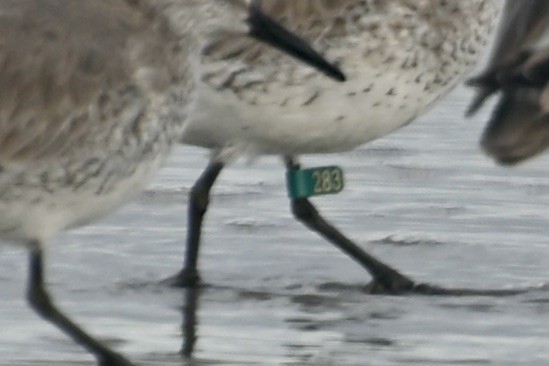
x=519 y=69
x=92 y=97
x=399 y=56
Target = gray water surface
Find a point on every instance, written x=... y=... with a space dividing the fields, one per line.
x=425 y=200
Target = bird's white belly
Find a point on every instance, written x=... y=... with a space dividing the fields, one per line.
x=32 y=210
x=322 y=117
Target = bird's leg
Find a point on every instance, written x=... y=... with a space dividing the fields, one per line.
x=41 y=302
x=199 y=199
x=190 y=325
x=385 y=278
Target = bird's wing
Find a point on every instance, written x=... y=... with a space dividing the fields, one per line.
x=57 y=59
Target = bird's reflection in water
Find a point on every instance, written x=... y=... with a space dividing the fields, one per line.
x=188 y=327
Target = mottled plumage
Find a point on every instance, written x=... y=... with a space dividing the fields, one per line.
x=61 y=59
x=399 y=57
x=519 y=70
x=93 y=94
x=92 y=98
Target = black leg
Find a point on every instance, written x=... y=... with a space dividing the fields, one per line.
x=384 y=278
x=40 y=300
x=189 y=326
x=199 y=199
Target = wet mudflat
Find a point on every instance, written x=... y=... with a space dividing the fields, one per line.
x=425 y=200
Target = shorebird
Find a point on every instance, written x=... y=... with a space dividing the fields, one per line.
x=519 y=69
x=399 y=57
x=92 y=98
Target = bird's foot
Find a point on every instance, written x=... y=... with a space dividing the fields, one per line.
x=183 y=279
x=113 y=359
x=398 y=284
x=401 y=285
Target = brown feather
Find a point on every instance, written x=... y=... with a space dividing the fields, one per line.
x=57 y=58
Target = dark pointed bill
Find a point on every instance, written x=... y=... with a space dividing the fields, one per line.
x=265 y=29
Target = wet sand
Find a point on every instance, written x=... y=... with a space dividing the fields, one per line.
x=425 y=200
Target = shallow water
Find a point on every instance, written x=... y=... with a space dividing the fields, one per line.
x=424 y=199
